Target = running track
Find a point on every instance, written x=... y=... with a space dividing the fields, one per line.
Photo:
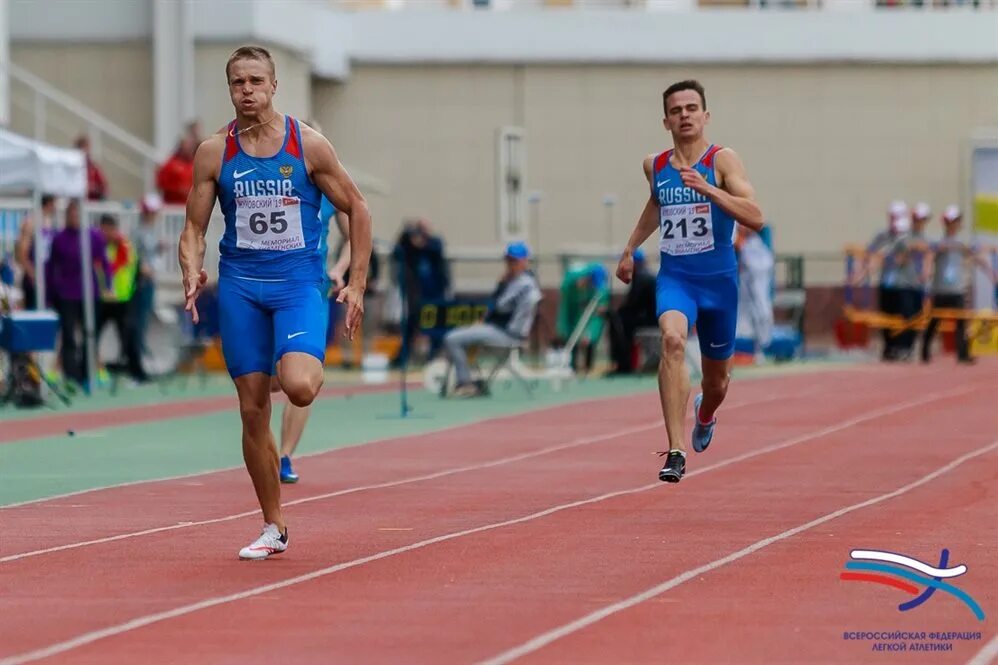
x=543 y=538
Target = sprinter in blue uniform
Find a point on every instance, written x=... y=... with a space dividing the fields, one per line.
x=269 y=173
x=698 y=192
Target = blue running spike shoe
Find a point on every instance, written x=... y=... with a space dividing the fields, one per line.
x=287 y=475
x=702 y=434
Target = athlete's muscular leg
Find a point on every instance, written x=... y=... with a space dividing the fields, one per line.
x=301 y=376
x=716 y=374
x=673 y=377
x=293 y=421
x=259 y=449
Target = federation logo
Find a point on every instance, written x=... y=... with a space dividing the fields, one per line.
x=287 y=170
x=866 y=564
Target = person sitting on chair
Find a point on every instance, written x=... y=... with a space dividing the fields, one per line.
x=508 y=323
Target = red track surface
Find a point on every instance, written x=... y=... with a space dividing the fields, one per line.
x=474 y=596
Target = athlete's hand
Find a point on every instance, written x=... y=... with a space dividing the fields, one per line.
x=695 y=181
x=336 y=277
x=193 y=284
x=353 y=297
x=625 y=268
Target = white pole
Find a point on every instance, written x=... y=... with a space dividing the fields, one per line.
x=39 y=258
x=534 y=199
x=609 y=201
x=87 y=269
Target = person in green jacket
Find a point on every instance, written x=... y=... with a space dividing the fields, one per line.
x=581 y=284
x=116 y=302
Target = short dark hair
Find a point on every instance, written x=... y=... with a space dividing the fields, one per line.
x=688 y=84
x=47 y=199
x=108 y=219
x=251 y=53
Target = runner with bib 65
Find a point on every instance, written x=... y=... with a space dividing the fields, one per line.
x=269 y=173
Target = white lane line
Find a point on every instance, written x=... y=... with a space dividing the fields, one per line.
x=403 y=437
x=363 y=488
x=987 y=655
x=594 y=400
x=544 y=639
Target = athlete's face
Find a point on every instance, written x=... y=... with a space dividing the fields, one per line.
x=685 y=116
x=251 y=86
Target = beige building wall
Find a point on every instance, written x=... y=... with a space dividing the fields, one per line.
x=114 y=79
x=211 y=95
x=827 y=147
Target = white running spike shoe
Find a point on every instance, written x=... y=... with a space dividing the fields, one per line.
x=271 y=541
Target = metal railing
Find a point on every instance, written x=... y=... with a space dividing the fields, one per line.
x=108 y=141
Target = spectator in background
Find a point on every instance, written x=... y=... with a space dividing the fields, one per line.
x=176 y=176
x=581 y=285
x=151 y=253
x=900 y=281
x=951 y=258
x=887 y=292
x=423 y=275
x=637 y=311
x=96 y=182
x=64 y=279
x=508 y=322
x=755 y=289
x=116 y=303
x=24 y=250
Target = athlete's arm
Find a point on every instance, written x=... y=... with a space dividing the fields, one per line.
x=343 y=260
x=736 y=196
x=647 y=224
x=333 y=180
x=200 y=202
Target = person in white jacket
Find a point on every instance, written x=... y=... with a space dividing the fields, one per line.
x=755 y=290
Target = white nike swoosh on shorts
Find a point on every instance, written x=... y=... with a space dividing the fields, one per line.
x=293 y=335
x=717 y=346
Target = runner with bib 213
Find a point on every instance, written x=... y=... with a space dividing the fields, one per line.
x=698 y=192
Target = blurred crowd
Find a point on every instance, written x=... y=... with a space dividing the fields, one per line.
x=124 y=269
x=919 y=268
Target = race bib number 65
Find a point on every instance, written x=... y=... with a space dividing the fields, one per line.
x=686 y=229
x=269 y=222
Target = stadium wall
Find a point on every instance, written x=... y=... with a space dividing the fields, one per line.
x=827 y=146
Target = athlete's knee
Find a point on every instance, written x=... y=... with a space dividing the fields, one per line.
x=303 y=389
x=673 y=344
x=254 y=411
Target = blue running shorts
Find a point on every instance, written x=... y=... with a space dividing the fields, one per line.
x=709 y=302
x=261 y=321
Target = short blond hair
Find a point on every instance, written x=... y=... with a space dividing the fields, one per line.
x=251 y=53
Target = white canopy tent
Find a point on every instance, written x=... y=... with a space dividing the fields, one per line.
x=29 y=165
x=38 y=168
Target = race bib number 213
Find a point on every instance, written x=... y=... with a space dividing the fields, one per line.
x=686 y=229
